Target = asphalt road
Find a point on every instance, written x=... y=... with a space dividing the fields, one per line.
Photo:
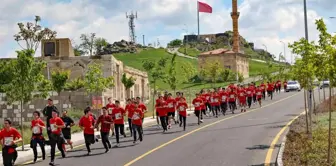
x=239 y=139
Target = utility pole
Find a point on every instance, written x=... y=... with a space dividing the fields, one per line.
x=143 y=40
x=284 y=50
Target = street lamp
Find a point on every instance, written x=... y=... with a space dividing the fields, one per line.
x=185 y=43
x=284 y=50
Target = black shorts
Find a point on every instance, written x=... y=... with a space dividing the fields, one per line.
x=197 y=112
x=89 y=138
x=259 y=99
x=171 y=114
x=157 y=113
x=232 y=102
x=66 y=134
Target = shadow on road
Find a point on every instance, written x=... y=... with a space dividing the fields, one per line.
x=274 y=127
x=270 y=164
x=262 y=147
x=292 y=115
x=85 y=155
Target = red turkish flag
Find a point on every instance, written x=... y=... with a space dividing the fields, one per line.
x=203 y=7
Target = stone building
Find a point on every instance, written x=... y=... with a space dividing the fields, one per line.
x=237 y=62
x=59 y=54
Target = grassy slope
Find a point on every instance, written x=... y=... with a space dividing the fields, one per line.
x=255 y=68
x=190 y=51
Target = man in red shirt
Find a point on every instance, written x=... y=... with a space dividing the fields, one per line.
x=203 y=105
x=232 y=100
x=109 y=106
x=242 y=98
x=285 y=85
x=37 y=126
x=197 y=102
x=171 y=103
x=270 y=89
x=129 y=110
x=56 y=126
x=182 y=109
x=223 y=98
x=86 y=123
x=278 y=86
x=249 y=92
x=137 y=122
x=259 y=94
x=141 y=106
x=118 y=114
x=9 y=137
x=160 y=107
x=263 y=88
x=215 y=103
x=105 y=122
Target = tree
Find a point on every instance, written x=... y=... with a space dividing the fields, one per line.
x=59 y=79
x=156 y=72
x=188 y=71
x=75 y=84
x=240 y=78
x=88 y=43
x=175 y=43
x=78 y=51
x=212 y=71
x=27 y=77
x=94 y=80
x=128 y=83
x=100 y=45
x=5 y=74
x=32 y=34
x=171 y=75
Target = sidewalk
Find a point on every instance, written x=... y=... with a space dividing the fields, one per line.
x=77 y=139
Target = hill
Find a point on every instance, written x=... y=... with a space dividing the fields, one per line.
x=223 y=40
x=135 y=60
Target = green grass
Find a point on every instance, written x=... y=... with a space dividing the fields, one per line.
x=256 y=67
x=190 y=51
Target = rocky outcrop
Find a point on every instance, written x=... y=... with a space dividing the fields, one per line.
x=121 y=47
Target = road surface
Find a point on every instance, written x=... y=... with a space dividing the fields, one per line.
x=239 y=139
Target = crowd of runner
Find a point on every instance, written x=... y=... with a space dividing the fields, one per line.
x=112 y=118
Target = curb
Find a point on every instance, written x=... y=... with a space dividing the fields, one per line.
x=279 y=161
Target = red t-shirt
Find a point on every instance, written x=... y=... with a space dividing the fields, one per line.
x=171 y=103
x=270 y=87
x=278 y=84
x=157 y=101
x=285 y=83
x=142 y=107
x=182 y=109
x=242 y=95
x=215 y=100
x=118 y=115
x=137 y=117
x=56 y=121
x=203 y=106
x=8 y=136
x=259 y=93
x=197 y=103
x=129 y=109
x=110 y=107
x=249 y=91
x=36 y=129
x=224 y=97
x=87 y=123
x=207 y=97
x=263 y=87
x=232 y=96
x=161 y=108
x=105 y=127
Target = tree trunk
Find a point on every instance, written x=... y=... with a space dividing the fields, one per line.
x=314 y=108
x=329 y=134
x=319 y=92
x=310 y=113
x=324 y=95
x=305 y=106
x=21 y=125
x=153 y=98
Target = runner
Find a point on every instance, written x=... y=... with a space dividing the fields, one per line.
x=215 y=102
x=224 y=100
x=161 y=112
x=110 y=105
x=242 y=99
x=278 y=86
x=37 y=126
x=86 y=124
x=285 y=84
x=136 y=123
x=142 y=106
x=56 y=125
x=263 y=88
x=232 y=100
x=118 y=114
x=171 y=103
x=47 y=112
x=203 y=106
x=182 y=109
x=129 y=109
x=207 y=96
x=197 y=104
x=270 y=89
x=259 y=94
x=67 y=130
x=249 y=92
x=105 y=122
x=157 y=101
x=9 y=137
x=254 y=93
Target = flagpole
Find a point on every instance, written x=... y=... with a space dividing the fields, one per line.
x=198 y=26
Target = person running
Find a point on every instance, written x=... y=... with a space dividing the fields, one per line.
x=197 y=104
x=9 y=137
x=182 y=109
x=270 y=89
x=157 y=101
x=285 y=85
x=203 y=106
x=224 y=100
x=177 y=99
x=215 y=102
x=118 y=114
x=105 y=122
x=259 y=91
x=242 y=99
x=47 y=112
x=249 y=92
x=136 y=122
x=142 y=106
x=56 y=125
x=232 y=100
x=263 y=88
x=129 y=110
x=109 y=106
x=171 y=103
x=207 y=96
x=162 y=112
x=86 y=123
x=37 y=126
x=278 y=86
x=67 y=130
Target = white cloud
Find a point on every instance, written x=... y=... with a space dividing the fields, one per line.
x=261 y=21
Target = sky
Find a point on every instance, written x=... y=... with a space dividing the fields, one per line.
x=263 y=22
